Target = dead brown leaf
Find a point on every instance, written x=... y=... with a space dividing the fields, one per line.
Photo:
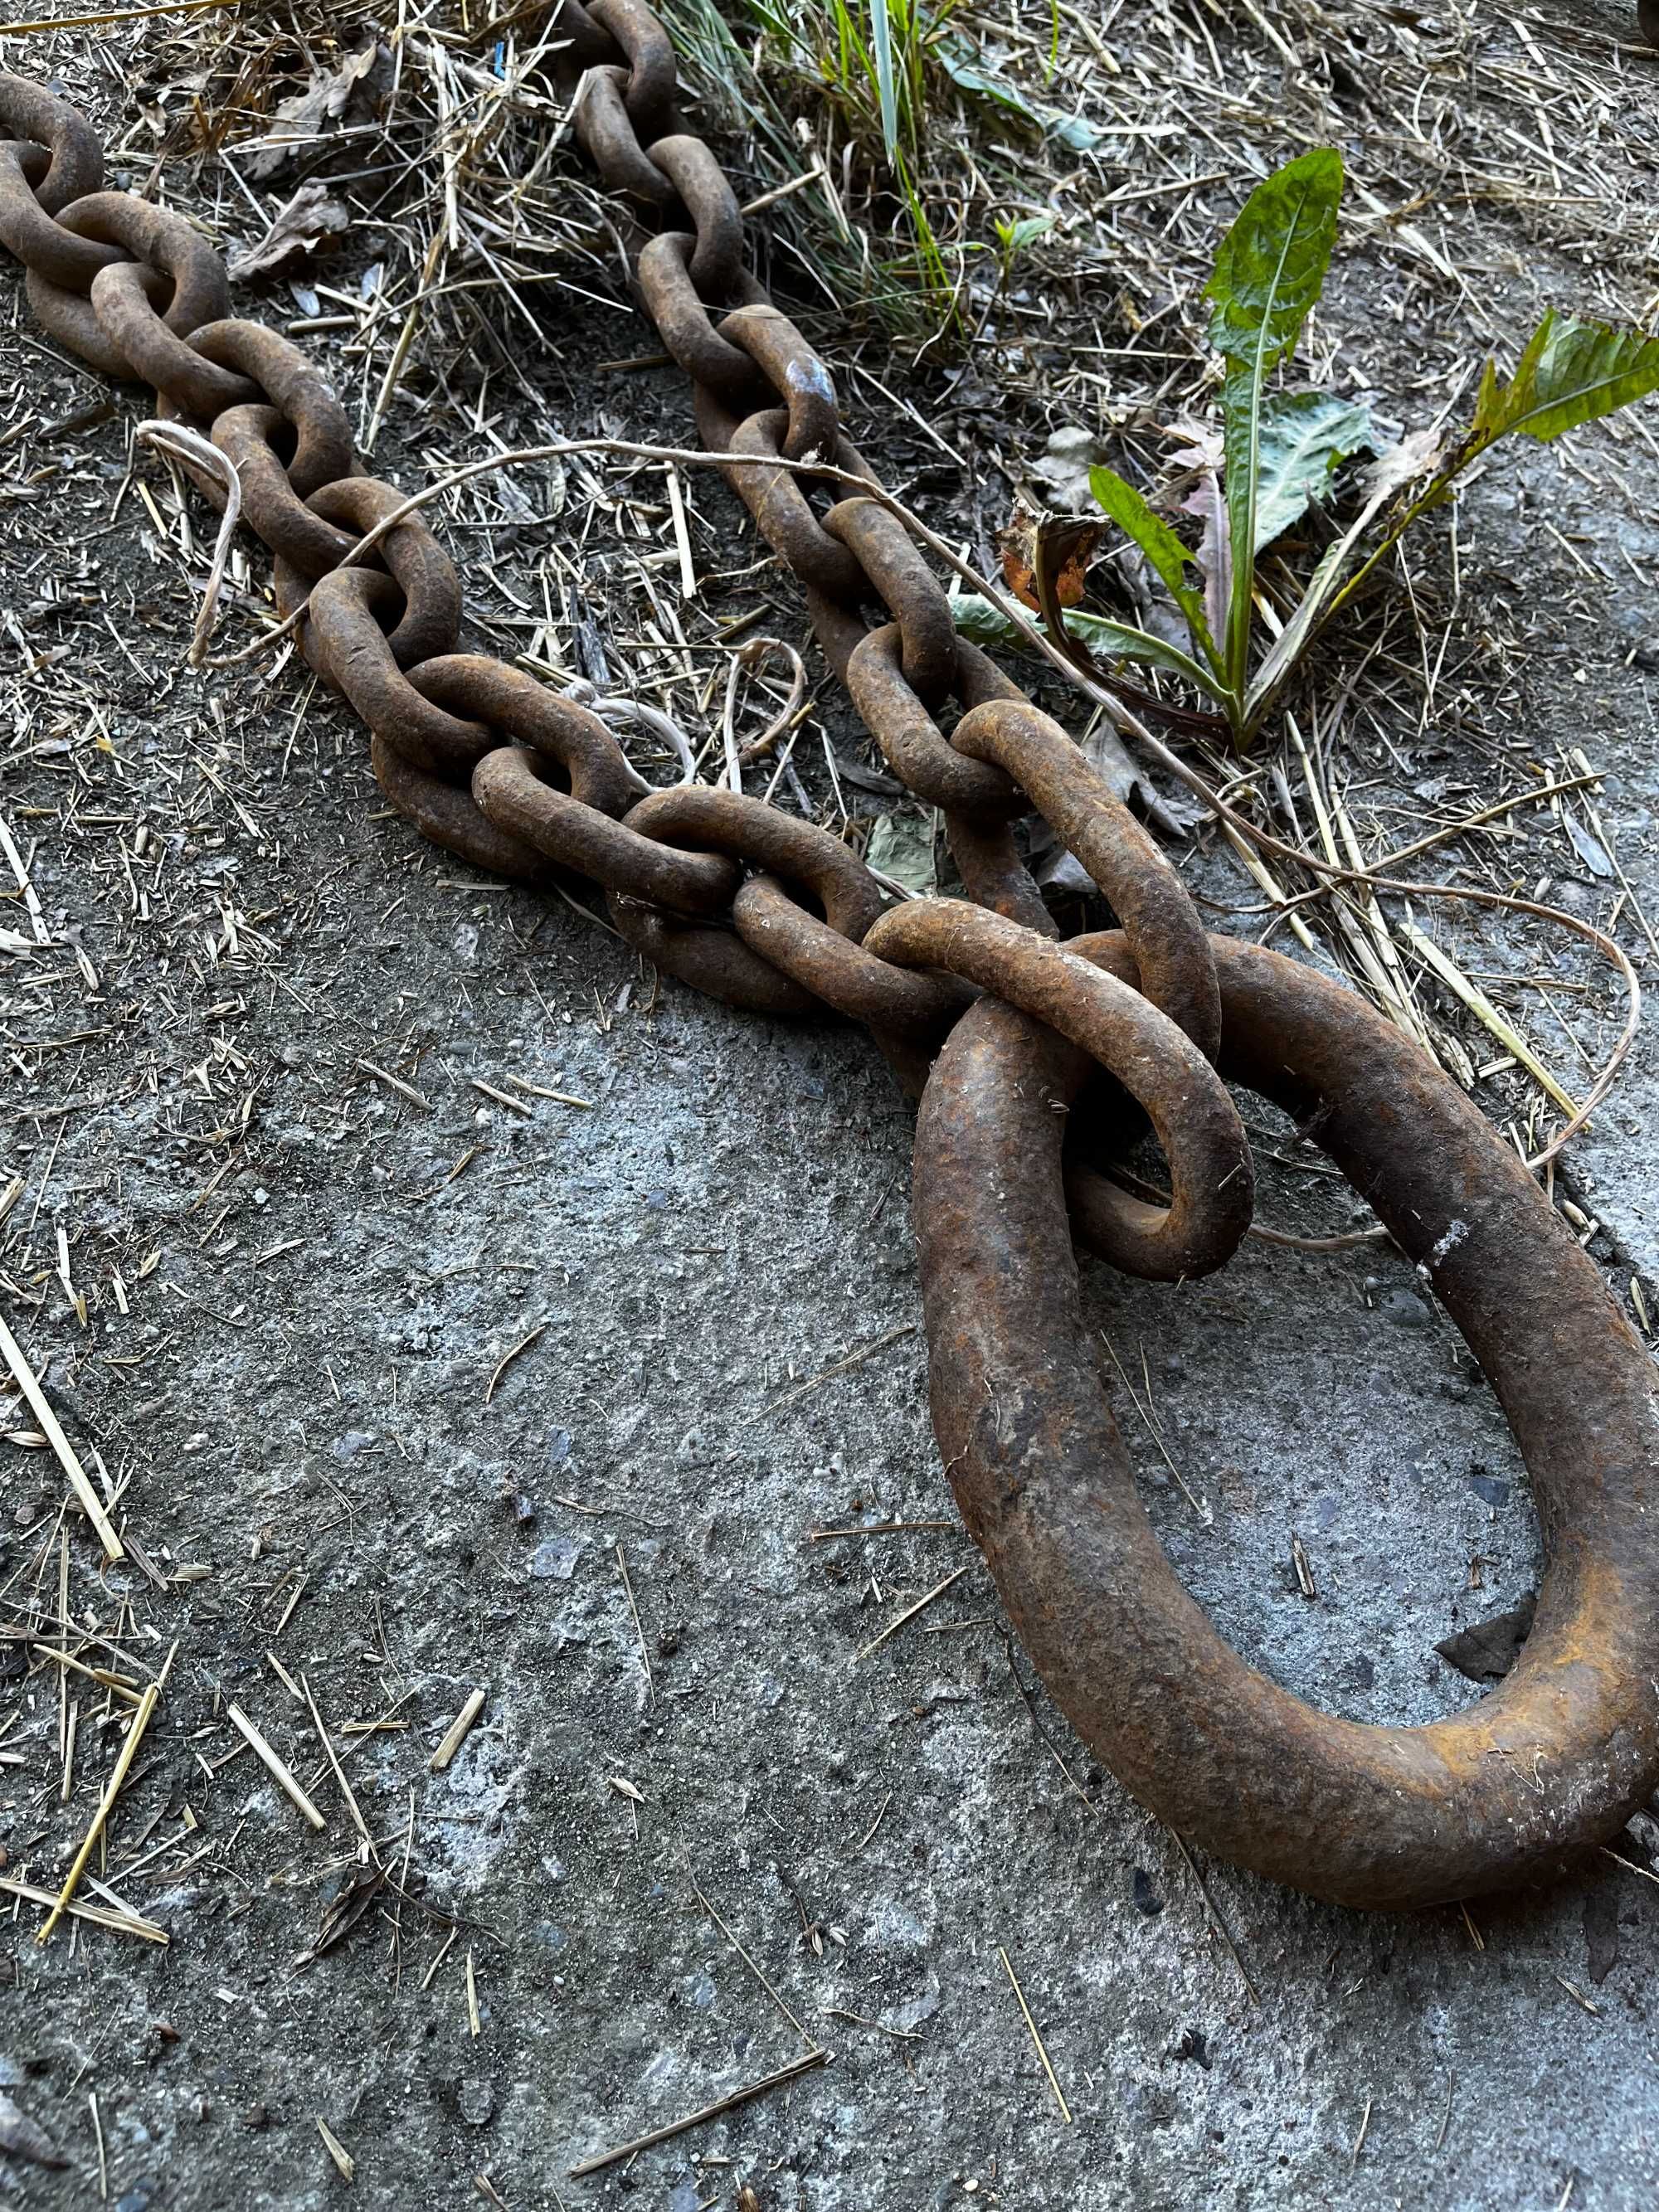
x=354 y=93
x=1034 y=550
x=311 y=219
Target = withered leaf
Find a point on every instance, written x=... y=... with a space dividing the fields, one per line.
x=346 y=1908
x=352 y=94
x=1486 y=1652
x=313 y=218
x=1033 y=548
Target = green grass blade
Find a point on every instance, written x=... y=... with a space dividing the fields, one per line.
x=881 y=44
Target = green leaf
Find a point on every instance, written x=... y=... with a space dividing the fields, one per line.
x=1270 y=271
x=1170 y=558
x=1071 y=131
x=1302 y=438
x=1241 y=408
x=1023 y=230
x=881 y=42
x=983 y=622
x=1272 y=265
x=1571 y=372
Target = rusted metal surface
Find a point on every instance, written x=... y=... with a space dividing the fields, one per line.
x=889 y=557
x=917 y=1010
x=512 y=789
x=914 y=747
x=272 y=501
x=710 y=957
x=783 y=513
x=716 y=262
x=662 y=273
x=1163 y=930
x=777 y=915
x=1210 y=1168
x=346 y=643
x=54 y=159
x=1510 y=1790
x=181 y=270
x=450 y=816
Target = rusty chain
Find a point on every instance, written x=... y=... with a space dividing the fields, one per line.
x=490 y=763
x=772 y=913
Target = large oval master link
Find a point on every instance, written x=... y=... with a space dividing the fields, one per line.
x=1514 y=1789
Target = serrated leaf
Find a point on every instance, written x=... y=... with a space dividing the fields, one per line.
x=1304 y=438
x=1215 y=560
x=1419 y=454
x=1571 y=373
x=1170 y=558
x=1272 y=265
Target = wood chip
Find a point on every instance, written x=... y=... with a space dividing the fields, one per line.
x=403 y=1090
x=458 y=1729
x=337 y=2150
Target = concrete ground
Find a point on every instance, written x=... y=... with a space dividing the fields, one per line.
x=414 y=1397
